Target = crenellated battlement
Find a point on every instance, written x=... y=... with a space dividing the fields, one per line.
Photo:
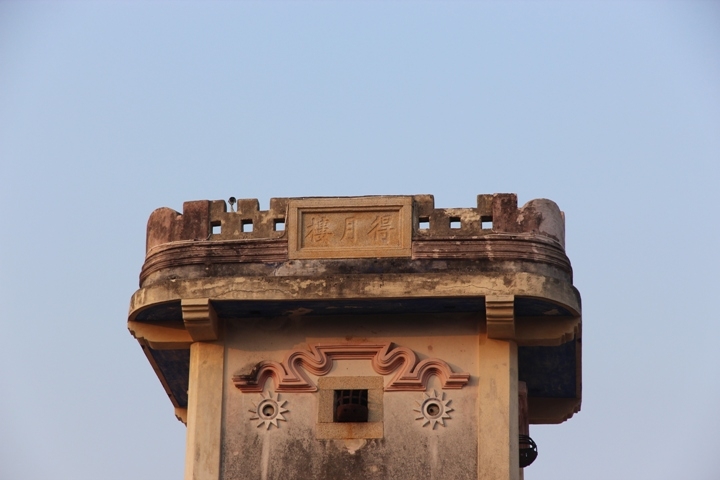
x=207 y=220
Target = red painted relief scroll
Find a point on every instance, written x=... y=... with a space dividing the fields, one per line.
x=290 y=374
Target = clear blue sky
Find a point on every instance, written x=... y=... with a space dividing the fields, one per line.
x=110 y=110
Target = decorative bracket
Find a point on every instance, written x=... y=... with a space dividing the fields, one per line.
x=500 y=315
x=160 y=337
x=200 y=319
x=289 y=375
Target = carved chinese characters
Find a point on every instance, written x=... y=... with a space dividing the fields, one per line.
x=350 y=228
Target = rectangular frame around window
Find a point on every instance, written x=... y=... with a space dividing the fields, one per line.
x=328 y=429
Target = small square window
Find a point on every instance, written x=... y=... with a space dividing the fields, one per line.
x=455 y=223
x=486 y=222
x=279 y=225
x=247 y=226
x=424 y=223
x=216 y=228
x=340 y=407
x=350 y=406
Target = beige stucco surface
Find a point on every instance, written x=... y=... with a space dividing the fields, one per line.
x=205 y=412
x=408 y=450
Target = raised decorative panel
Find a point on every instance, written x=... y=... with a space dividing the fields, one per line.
x=386 y=358
x=362 y=227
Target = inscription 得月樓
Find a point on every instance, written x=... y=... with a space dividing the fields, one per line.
x=350 y=227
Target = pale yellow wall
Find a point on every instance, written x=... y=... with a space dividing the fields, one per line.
x=407 y=450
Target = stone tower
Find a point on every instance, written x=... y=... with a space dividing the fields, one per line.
x=361 y=337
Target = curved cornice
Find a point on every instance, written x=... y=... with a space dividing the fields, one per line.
x=448 y=284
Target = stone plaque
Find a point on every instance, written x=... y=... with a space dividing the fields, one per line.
x=355 y=227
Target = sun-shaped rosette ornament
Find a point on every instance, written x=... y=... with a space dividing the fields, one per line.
x=434 y=409
x=269 y=410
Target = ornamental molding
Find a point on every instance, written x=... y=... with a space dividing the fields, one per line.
x=269 y=410
x=433 y=410
x=290 y=374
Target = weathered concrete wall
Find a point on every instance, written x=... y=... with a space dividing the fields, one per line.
x=407 y=449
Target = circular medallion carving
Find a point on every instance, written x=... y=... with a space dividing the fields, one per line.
x=269 y=410
x=433 y=410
